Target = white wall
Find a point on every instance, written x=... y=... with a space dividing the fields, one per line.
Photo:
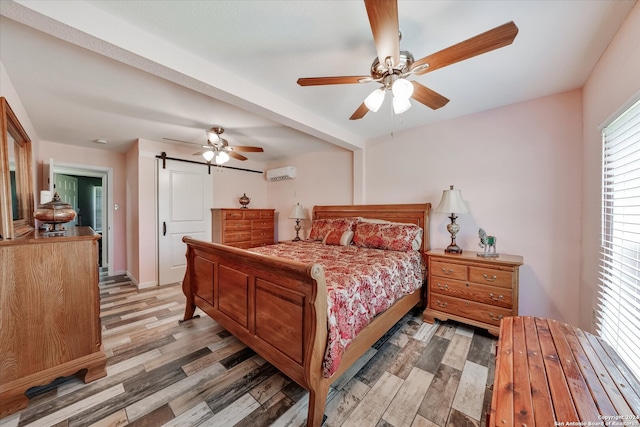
x=614 y=81
x=519 y=169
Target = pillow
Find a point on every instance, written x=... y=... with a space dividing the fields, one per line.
x=416 y=245
x=321 y=227
x=337 y=238
x=391 y=236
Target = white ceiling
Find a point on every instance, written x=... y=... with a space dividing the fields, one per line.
x=122 y=70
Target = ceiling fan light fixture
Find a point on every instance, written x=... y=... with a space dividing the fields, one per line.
x=400 y=105
x=374 y=100
x=222 y=157
x=208 y=155
x=402 y=88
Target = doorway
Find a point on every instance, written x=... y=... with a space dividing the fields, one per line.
x=89 y=189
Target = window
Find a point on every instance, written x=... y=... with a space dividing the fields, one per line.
x=618 y=311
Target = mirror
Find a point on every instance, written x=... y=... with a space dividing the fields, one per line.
x=16 y=176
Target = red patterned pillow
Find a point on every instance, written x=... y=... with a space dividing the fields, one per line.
x=395 y=237
x=321 y=227
x=337 y=238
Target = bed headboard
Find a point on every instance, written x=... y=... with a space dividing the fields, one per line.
x=417 y=213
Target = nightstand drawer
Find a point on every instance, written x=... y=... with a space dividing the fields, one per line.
x=473 y=292
x=490 y=276
x=448 y=270
x=471 y=310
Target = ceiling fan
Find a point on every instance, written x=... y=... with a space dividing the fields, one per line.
x=218 y=148
x=393 y=66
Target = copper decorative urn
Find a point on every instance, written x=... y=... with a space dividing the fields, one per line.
x=55 y=213
x=244 y=201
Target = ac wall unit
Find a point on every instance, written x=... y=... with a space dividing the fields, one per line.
x=280 y=174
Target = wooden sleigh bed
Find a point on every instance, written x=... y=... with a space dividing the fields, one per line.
x=278 y=307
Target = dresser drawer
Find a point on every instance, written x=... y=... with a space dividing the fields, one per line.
x=262 y=235
x=251 y=214
x=473 y=292
x=266 y=214
x=237 y=236
x=237 y=224
x=449 y=270
x=233 y=215
x=471 y=310
x=263 y=224
x=491 y=276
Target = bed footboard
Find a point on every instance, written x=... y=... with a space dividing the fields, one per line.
x=276 y=307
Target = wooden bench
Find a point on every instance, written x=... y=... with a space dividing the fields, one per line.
x=549 y=373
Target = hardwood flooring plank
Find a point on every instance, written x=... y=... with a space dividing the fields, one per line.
x=116 y=419
x=472 y=385
x=480 y=349
x=232 y=414
x=375 y=403
x=157 y=417
x=167 y=394
x=196 y=415
x=420 y=421
x=378 y=364
x=456 y=353
x=211 y=387
x=436 y=404
x=269 y=387
x=134 y=351
x=232 y=346
x=426 y=331
x=458 y=419
x=350 y=373
x=431 y=357
x=267 y=412
x=77 y=407
x=446 y=330
x=237 y=357
x=344 y=401
x=127 y=364
x=406 y=359
x=404 y=406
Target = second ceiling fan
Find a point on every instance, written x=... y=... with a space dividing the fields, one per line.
x=393 y=67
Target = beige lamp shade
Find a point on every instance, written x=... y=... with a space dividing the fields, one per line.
x=452 y=202
x=297 y=212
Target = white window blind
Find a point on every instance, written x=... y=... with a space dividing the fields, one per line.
x=618 y=311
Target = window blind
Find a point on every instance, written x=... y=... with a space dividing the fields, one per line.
x=618 y=309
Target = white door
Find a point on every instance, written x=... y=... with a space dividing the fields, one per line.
x=185 y=199
x=67 y=188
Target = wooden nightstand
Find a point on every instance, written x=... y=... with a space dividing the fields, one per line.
x=471 y=289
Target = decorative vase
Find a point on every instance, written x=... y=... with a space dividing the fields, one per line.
x=55 y=213
x=244 y=201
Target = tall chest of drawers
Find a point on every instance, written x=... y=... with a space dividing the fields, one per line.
x=243 y=228
x=471 y=289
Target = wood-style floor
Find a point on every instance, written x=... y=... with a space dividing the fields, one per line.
x=195 y=373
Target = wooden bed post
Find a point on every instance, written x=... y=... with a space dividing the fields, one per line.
x=190 y=306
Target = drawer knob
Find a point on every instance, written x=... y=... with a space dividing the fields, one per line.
x=441 y=304
x=445 y=271
x=441 y=286
x=495 y=317
x=489 y=279
x=493 y=297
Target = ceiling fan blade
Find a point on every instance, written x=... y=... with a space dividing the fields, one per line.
x=482 y=43
x=246 y=149
x=428 y=97
x=339 y=80
x=383 y=18
x=360 y=112
x=236 y=155
x=200 y=153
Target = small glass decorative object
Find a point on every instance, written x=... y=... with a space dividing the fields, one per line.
x=488 y=243
x=55 y=213
x=244 y=201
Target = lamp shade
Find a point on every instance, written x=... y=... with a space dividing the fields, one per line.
x=452 y=202
x=374 y=100
x=297 y=212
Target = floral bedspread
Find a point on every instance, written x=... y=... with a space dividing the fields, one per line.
x=361 y=283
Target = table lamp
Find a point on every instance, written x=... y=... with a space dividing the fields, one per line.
x=453 y=203
x=298 y=214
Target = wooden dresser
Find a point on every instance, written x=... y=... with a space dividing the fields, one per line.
x=49 y=312
x=243 y=228
x=474 y=290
